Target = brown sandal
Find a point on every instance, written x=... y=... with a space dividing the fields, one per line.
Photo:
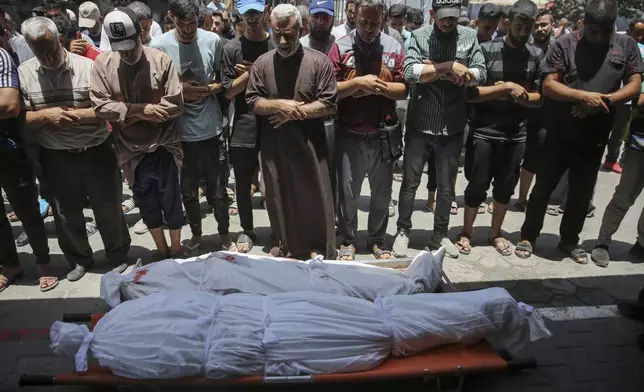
x=379 y=253
x=501 y=245
x=464 y=248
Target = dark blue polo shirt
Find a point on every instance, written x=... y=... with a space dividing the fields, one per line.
x=583 y=67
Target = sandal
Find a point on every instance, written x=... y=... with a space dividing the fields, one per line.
x=347 y=253
x=380 y=254
x=464 y=244
x=523 y=246
x=454 y=208
x=231 y=248
x=232 y=208
x=231 y=195
x=244 y=241
x=482 y=209
x=276 y=251
x=47 y=283
x=554 y=211
x=501 y=245
x=490 y=208
x=521 y=206
x=578 y=255
x=13 y=217
x=10 y=280
x=127 y=205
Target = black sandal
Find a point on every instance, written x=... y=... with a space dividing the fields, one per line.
x=577 y=255
x=243 y=238
x=348 y=251
x=378 y=252
x=523 y=246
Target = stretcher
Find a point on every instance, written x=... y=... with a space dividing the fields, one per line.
x=452 y=361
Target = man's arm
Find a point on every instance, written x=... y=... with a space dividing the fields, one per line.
x=172 y=101
x=9 y=87
x=101 y=96
x=326 y=94
x=476 y=66
x=233 y=83
x=256 y=94
x=419 y=70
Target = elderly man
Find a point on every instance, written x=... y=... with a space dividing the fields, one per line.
x=197 y=54
x=77 y=161
x=292 y=90
x=584 y=71
x=17 y=180
x=137 y=89
x=368 y=66
x=440 y=60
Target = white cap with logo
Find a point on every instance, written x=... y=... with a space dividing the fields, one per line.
x=122 y=28
x=88 y=15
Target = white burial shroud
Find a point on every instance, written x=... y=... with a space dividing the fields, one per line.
x=176 y=334
x=225 y=273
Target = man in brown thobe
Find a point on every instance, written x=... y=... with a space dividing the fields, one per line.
x=293 y=89
x=138 y=90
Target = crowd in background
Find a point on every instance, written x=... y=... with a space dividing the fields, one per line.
x=304 y=111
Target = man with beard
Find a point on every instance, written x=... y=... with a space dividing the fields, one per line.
x=137 y=89
x=320 y=35
x=239 y=55
x=584 y=71
x=78 y=163
x=441 y=59
x=498 y=129
x=368 y=67
x=198 y=53
x=543 y=37
x=292 y=89
x=488 y=20
x=349 y=24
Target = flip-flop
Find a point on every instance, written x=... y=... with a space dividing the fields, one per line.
x=496 y=243
x=554 y=211
x=11 y=281
x=523 y=246
x=47 y=287
x=244 y=239
x=13 y=217
x=348 y=251
x=232 y=209
x=482 y=209
x=490 y=208
x=462 y=249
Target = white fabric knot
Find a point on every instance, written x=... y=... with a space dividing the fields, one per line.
x=81 y=354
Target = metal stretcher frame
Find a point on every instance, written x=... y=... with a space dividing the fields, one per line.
x=453 y=360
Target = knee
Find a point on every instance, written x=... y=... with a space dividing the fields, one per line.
x=475 y=194
x=502 y=195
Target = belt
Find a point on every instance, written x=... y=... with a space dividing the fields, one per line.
x=78 y=150
x=362 y=135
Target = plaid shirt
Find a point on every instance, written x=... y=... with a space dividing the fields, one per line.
x=438 y=108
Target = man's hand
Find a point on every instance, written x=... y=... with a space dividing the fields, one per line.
x=214 y=87
x=289 y=110
x=154 y=113
x=516 y=92
x=195 y=92
x=61 y=118
x=78 y=46
x=242 y=67
x=371 y=84
x=595 y=102
x=459 y=74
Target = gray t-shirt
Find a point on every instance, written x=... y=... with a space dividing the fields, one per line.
x=199 y=61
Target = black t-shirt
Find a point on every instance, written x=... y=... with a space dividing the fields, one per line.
x=583 y=67
x=501 y=119
x=244 y=130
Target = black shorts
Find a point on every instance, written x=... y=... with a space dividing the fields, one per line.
x=487 y=160
x=533 y=148
x=156 y=190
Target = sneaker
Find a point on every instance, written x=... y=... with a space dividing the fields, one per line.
x=401 y=244
x=78 y=272
x=140 y=227
x=90 y=228
x=600 y=256
x=22 y=239
x=450 y=249
x=615 y=167
x=392 y=208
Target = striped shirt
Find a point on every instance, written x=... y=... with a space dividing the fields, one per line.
x=438 y=108
x=503 y=119
x=65 y=87
x=9 y=127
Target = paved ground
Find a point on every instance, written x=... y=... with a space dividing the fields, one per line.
x=592 y=349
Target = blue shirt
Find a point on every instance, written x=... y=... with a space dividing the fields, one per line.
x=198 y=62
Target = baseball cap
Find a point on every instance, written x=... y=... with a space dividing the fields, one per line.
x=122 y=28
x=88 y=15
x=325 y=6
x=447 y=8
x=244 y=6
x=464 y=16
